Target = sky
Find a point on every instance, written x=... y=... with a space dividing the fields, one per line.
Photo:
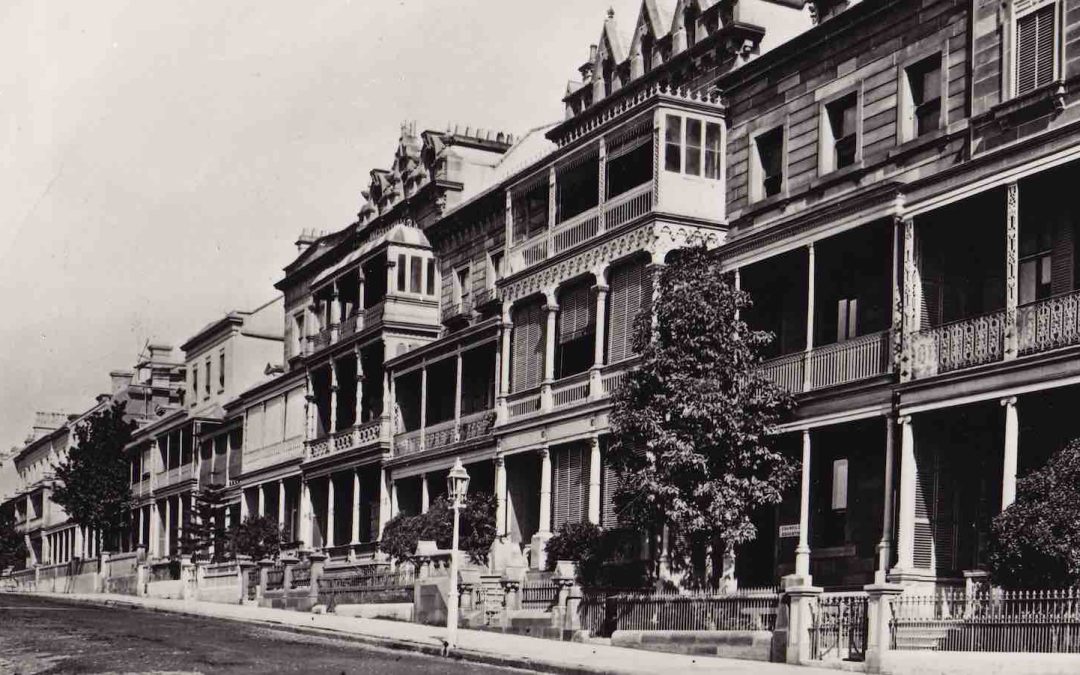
x=158 y=159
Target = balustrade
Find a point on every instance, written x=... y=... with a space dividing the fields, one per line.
x=439 y=435
x=858 y=359
x=348 y=439
x=570 y=390
x=1049 y=324
x=960 y=344
x=629 y=205
x=788 y=372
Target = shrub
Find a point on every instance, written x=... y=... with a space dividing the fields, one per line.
x=580 y=542
x=258 y=537
x=476 y=528
x=1035 y=543
x=604 y=557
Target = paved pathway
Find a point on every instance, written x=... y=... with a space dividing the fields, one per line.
x=474 y=646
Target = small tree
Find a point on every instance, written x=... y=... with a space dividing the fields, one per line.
x=1035 y=543
x=475 y=534
x=259 y=537
x=691 y=427
x=12 y=543
x=95 y=479
x=206 y=529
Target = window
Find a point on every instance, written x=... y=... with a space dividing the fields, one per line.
x=207 y=385
x=401 y=272
x=529 y=209
x=839 y=484
x=628 y=297
x=840 y=147
x=430 y=277
x=462 y=287
x=298 y=330
x=416 y=273
x=847 y=319
x=1036 y=261
x=673 y=144
x=221 y=370
x=922 y=109
x=693 y=147
x=1036 y=46
x=767 y=164
x=575 y=344
x=194 y=383
x=495 y=270
x=713 y=151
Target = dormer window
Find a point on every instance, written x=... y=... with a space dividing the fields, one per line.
x=1035 y=49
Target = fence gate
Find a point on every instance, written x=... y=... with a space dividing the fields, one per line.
x=838 y=627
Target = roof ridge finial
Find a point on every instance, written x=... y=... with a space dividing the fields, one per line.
x=610 y=12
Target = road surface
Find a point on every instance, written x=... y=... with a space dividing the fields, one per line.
x=39 y=635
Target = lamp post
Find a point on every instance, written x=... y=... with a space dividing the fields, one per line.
x=457 y=484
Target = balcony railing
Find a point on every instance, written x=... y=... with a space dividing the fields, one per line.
x=1049 y=324
x=352 y=325
x=583 y=227
x=348 y=439
x=469 y=427
x=570 y=390
x=523 y=403
x=275 y=453
x=960 y=344
x=321 y=339
x=461 y=308
x=177 y=474
x=853 y=360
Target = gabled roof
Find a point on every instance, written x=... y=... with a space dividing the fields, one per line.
x=609 y=36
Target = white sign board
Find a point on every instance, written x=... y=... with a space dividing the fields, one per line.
x=787 y=531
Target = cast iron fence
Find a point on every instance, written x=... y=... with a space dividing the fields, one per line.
x=838 y=627
x=604 y=610
x=366 y=586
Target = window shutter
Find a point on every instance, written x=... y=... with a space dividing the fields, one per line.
x=609 y=482
x=1035 y=49
x=559 y=494
x=627 y=299
x=1061 y=278
x=568 y=484
x=528 y=347
x=575 y=314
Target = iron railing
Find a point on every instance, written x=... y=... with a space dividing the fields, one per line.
x=1049 y=324
x=539 y=595
x=368 y=584
x=959 y=344
x=838 y=627
x=988 y=621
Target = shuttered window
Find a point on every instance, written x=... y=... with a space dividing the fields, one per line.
x=626 y=302
x=570 y=480
x=576 y=314
x=609 y=481
x=935 y=522
x=528 y=346
x=1035 y=46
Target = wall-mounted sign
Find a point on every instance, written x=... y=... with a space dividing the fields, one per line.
x=788 y=531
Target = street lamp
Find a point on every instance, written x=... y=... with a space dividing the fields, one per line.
x=457 y=484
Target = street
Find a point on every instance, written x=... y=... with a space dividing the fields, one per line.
x=46 y=636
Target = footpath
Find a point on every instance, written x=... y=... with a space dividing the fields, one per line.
x=473 y=646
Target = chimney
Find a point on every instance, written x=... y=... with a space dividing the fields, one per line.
x=44 y=422
x=121 y=380
x=160 y=352
x=305 y=240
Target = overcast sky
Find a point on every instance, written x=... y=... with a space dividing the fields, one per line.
x=158 y=159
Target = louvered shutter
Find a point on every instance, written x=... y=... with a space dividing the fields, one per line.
x=559 y=502
x=1035 y=40
x=609 y=482
x=1061 y=278
x=528 y=347
x=569 y=481
x=576 y=315
x=627 y=299
x=935 y=521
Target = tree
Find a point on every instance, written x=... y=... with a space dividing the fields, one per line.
x=1035 y=542
x=259 y=537
x=692 y=441
x=12 y=543
x=475 y=534
x=94 y=486
x=206 y=530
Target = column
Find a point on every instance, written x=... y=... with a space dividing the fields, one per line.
x=811 y=264
x=310 y=411
x=594 y=480
x=912 y=292
x=457 y=398
x=260 y=496
x=905 y=541
x=391 y=263
x=329 y=511
x=384 y=499
x=596 y=385
x=281 y=504
x=243 y=506
x=545 y=490
x=168 y=527
x=1012 y=446
x=736 y=276
x=360 y=300
x=425 y=494
x=500 y=496
x=355 y=522
x=884 y=547
x=393 y=499
x=155 y=531
x=552 y=309
x=423 y=407
x=305 y=514
x=1012 y=268
x=359 y=378
x=333 y=396
x=78 y=543
x=897 y=295
x=802 y=551
x=335 y=311
x=506 y=333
